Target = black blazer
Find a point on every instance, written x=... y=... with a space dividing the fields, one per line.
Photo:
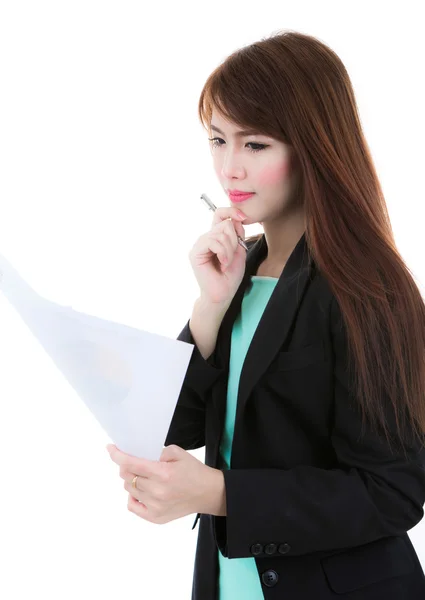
x=322 y=512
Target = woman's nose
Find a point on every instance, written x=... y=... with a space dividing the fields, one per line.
x=232 y=166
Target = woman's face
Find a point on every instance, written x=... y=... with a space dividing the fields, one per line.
x=254 y=163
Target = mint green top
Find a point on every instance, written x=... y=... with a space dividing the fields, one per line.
x=238 y=577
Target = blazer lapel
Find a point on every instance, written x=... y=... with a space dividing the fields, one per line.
x=275 y=323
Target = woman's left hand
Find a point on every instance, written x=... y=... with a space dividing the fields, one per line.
x=173 y=487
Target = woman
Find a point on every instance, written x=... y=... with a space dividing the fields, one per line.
x=306 y=383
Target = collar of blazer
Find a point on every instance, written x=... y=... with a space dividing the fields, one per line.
x=276 y=321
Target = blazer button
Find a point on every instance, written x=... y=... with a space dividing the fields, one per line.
x=269 y=578
x=256 y=549
x=284 y=548
x=270 y=549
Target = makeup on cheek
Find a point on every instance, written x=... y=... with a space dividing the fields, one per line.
x=271 y=175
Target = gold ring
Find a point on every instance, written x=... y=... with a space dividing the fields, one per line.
x=133 y=483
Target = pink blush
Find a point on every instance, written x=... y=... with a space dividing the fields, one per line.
x=274 y=175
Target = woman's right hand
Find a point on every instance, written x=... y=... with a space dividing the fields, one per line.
x=219 y=280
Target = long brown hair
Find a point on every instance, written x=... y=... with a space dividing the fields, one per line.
x=294 y=88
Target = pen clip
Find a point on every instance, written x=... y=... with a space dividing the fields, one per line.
x=208 y=202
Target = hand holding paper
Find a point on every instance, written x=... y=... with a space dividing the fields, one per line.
x=177 y=485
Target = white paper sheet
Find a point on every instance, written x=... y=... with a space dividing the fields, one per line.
x=128 y=378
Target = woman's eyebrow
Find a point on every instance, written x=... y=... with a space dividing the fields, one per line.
x=240 y=133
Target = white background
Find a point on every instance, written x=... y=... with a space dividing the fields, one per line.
x=103 y=161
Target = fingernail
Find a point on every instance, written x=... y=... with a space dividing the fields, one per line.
x=241 y=215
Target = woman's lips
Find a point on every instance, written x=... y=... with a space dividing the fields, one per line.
x=239 y=197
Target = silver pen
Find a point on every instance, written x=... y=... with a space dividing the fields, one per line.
x=213 y=207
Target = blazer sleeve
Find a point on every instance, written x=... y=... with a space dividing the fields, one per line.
x=372 y=494
x=187 y=428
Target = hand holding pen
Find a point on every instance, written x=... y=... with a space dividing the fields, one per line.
x=213 y=207
x=218 y=257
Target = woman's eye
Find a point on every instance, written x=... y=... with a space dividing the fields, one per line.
x=257 y=149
